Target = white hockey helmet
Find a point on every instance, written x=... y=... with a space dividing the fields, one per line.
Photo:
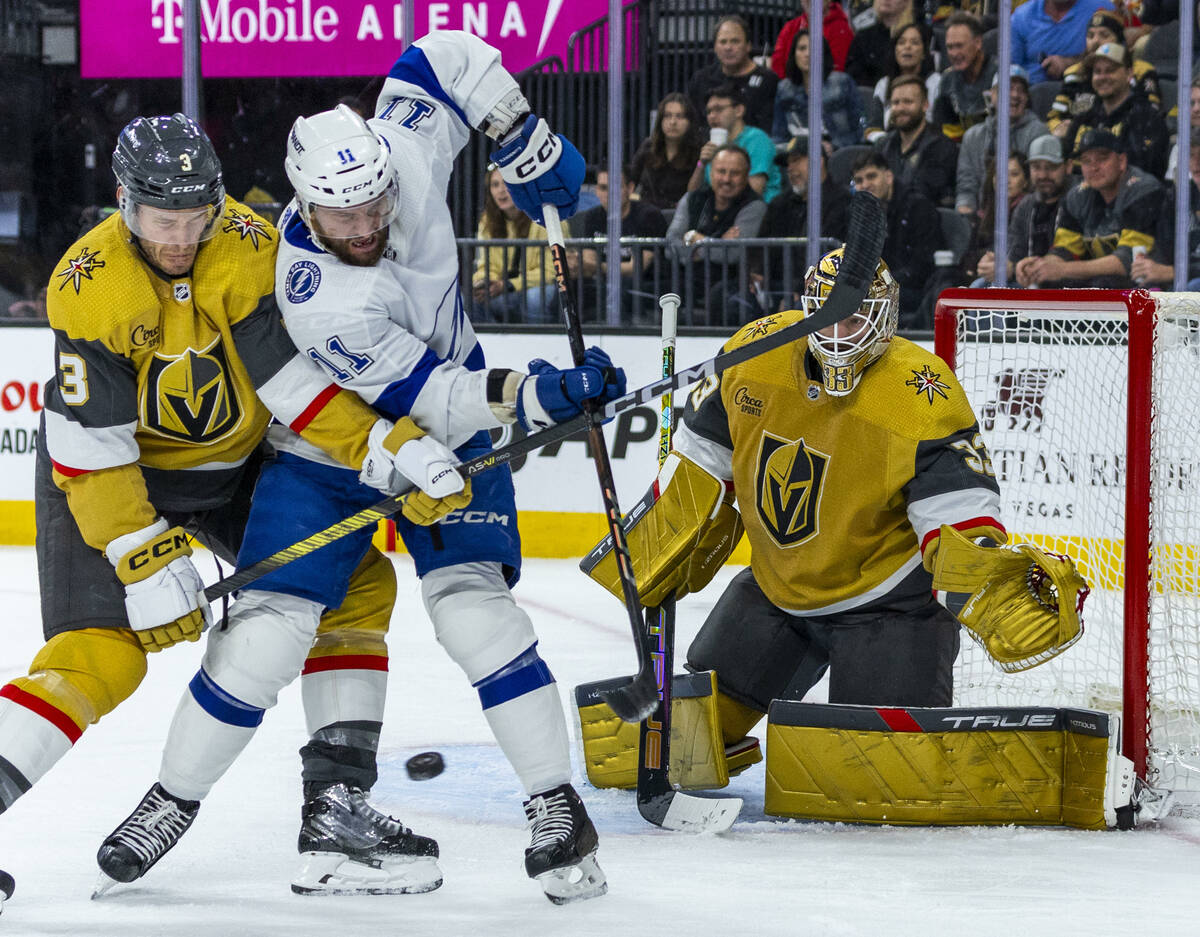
x=846 y=349
x=342 y=174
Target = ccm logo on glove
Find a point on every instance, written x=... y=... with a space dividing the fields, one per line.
x=174 y=539
x=527 y=168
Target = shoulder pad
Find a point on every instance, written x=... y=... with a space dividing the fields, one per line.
x=765 y=326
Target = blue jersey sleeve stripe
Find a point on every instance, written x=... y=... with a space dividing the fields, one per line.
x=222 y=706
x=398 y=397
x=296 y=233
x=475 y=360
x=414 y=68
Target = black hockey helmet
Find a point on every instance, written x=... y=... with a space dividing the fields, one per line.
x=168 y=163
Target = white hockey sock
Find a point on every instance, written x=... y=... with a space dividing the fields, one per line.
x=33 y=737
x=199 y=750
x=532 y=732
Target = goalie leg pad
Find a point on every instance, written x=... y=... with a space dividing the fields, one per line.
x=610 y=746
x=937 y=767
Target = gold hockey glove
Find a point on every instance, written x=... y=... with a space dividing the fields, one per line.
x=425 y=510
x=1022 y=605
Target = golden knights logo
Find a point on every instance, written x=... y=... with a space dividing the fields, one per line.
x=79 y=269
x=191 y=396
x=788 y=481
x=246 y=225
x=759 y=328
x=928 y=382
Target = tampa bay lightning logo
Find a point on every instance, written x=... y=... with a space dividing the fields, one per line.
x=303 y=278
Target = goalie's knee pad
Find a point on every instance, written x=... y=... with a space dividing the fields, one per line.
x=475 y=617
x=259 y=652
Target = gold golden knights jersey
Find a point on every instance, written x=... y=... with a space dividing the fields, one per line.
x=176 y=378
x=841 y=495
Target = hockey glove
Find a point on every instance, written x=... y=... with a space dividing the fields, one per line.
x=1022 y=605
x=550 y=395
x=164 y=595
x=540 y=167
x=401 y=456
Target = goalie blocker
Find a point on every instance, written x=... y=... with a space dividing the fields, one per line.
x=947 y=767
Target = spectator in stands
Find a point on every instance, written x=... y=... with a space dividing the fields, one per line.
x=1031 y=223
x=1076 y=96
x=731 y=43
x=639 y=219
x=1143 y=132
x=921 y=158
x=835 y=26
x=511 y=284
x=914 y=234
x=909 y=56
x=841 y=105
x=979 y=143
x=29 y=308
x=1157 y=268
x=725 y=111
x=960 y=102
x=867 y=58
x=983 y=232
x=1100 y=222
x=665 y=160
x=1049 y=35
x=1194 y=93
x=787 y=217
x=704 y=225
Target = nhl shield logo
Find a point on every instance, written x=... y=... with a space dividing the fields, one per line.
x=788 y=482
x=183 y=291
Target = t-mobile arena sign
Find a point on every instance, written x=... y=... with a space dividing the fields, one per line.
x=286 y=38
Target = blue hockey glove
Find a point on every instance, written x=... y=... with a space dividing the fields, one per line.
x=538 y=167
x=614 y=378
x=550 y=395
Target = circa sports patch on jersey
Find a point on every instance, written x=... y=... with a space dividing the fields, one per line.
x=300 y=284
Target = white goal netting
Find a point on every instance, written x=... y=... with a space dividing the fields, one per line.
x=1050 y=377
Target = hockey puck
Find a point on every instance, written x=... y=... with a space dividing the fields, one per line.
x=7 y=886
x=424 y=766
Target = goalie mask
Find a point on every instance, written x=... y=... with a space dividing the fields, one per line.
x=844 y=350
x=344 y=181
x=171 y=191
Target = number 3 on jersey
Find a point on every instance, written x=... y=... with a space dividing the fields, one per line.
x=339 y=354
x=72 y=381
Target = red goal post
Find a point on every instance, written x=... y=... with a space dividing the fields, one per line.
x=1089 y=401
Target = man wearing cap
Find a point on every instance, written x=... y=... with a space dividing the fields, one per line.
x=1077 y=96
x=1048 y=35
x=921 y=157
x=1101 y=222
x=979 y=143
x=960 y=102
x=1031 y=227
x=1117 y=109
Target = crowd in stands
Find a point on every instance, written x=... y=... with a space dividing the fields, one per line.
x=908 y=112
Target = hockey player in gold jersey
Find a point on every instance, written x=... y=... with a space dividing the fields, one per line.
x=872 y=513
x=171 y=359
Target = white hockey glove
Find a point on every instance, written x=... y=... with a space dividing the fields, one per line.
x=401 y=456
x=164 y=595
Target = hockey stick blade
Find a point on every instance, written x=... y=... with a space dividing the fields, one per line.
x=866 y=233
x=674 y=810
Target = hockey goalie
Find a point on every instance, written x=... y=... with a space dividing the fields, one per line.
x=854 y=461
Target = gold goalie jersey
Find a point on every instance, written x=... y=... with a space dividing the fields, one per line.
x=841 y=495
x=176 y=375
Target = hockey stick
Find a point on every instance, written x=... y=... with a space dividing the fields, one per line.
x=657 y=800
x=866 y=233
x=632 y=701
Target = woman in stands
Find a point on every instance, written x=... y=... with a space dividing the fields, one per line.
x=664 y=161
x=910 y=55
x=511 y=284
x=841 y=106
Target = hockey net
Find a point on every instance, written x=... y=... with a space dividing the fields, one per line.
x=1089 y=402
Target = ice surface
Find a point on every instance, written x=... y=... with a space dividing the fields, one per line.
x=229 y=876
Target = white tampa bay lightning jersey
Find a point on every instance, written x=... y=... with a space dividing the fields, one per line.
x=397 y=332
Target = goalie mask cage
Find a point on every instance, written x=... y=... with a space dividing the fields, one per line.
x=1089 y=402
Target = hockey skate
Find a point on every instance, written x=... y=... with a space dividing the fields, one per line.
x=143 y=837
x=562 y=854
x=347 y=847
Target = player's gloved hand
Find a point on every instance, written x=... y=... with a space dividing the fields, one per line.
x=550 y=395
x=538 y=167
x=400 y=456
x=164 y=595
x=614 y=377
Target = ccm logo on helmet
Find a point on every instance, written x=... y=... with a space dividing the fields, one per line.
x=158 y=549
x=355 y=188
x=187 y=188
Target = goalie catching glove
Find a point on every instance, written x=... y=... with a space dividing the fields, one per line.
x=164 y=595
x=679 y=535
x=402 y=456
x=1021 y=604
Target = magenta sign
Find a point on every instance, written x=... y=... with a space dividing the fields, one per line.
x=285 y=38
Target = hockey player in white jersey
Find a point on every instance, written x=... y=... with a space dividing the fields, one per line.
x=367 y=277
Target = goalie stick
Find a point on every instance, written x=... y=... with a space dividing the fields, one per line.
x=631 y=701
x=867 y=229
x=657 y=800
